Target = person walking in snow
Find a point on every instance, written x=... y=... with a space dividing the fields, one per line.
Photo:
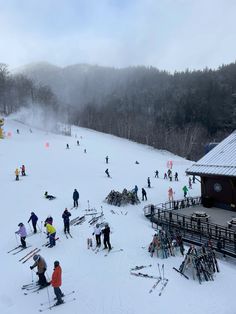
x=66 y=218
x=135 y=190
x=41 y=265
x=148 y=182
x=51 y=233
x=106 y=237
x=170 y=194
x=77 y=142
x=56 y=282
x=17 y=174
x=176 y=176
x=97 y=232
x=33 y=218
x=144 y=194
x=185 y=189
x=23 y=170
x=22 y=233
x=170 y=176
x=75 y=198
x=190 y=183
x=107 y=173
x=107 y=159
x=67 y=146
x=156 y=174
x=165 y=176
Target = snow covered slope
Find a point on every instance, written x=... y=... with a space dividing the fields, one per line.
x=103 y=284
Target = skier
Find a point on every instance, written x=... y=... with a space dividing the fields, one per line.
x=144 y=195
x=97 y=232
x=107 y=172
x=78 y=143
x=75 y=198
x=169 y=172
x=190 y=183
x=106 y=237
x=39 y=261
x=148 y=182
x=49 y=197
x=194 y=178
x=170 y=176
x=156 y=174
x=135 y=190
x=176 y=176
x=185 y=189
x=51 y=233
x=106 y=159
x=170 y=194
x=17 y=174
x=22 y=233
x=85 y=151
x=23 y=170
x=165 y=175
x=18 y=131
x=49 y=220
x=33 y=218
x=66 y=217
x=67 y=146
x=56 y=282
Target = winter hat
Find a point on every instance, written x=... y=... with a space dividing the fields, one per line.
x=56 y=263
x=20 y=224
x=36 y=257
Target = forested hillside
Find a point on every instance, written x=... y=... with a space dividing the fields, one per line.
x=180 y=112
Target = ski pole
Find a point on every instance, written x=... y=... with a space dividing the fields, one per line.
x=48 y=298
x=30 y=227
x=163 y=270
x=32 y=275
x=159 y=270
x=17 y=242
x=40 y=229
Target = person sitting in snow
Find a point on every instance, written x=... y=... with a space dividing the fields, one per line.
x=49 y=197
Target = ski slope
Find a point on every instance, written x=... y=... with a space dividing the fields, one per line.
x=103 y=284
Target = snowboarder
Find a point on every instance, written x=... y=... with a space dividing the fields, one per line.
x=176 y=176
x=66 y=218
x=148 y=182
x=165 y=176
x=51 y=233
x=49 y=197
x=56 y=282
x=144 y=195
x=39 y=261
x=156 y=174
x=190 y=183
x=107 y=173
x=33 y=218
x=17 y=174
x=97 y=232
x=67 y=146
x=106 y=159
x=23 y=170
x=185 y=189
x=22 y=233
x=75 y=198
x=170 y=194
x=106 y=237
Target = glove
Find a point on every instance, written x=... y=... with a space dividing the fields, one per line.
x=93 y=233
x=31 y=267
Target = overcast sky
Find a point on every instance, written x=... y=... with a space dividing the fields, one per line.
x=167 y=34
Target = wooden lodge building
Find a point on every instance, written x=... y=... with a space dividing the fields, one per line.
x=217 y=170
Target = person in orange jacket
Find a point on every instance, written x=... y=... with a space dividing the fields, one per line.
x=56 y=283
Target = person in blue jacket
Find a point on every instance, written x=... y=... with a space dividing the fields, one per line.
x=33 y=218
x=75 y=198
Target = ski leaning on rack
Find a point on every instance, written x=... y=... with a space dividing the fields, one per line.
x=31 y=255
x=181 y=273
x=54 y=305
x=52 y=300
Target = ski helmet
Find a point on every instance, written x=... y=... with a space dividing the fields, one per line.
x=20 y=224
x=36 y=257
x=56 y=263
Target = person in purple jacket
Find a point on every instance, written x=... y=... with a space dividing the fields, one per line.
x=22 y=233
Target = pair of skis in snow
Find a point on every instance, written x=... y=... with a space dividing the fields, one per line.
x=47 y=305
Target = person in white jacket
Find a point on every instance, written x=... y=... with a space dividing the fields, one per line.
x=97 y=232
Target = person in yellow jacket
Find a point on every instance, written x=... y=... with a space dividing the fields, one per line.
x=17 y=174
x=51 y=232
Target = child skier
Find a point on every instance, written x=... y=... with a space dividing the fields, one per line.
x=22 y=233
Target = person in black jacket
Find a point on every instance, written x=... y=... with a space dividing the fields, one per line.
x=106 y=237
x=66 y=217
x=144 y=194
x=33 y=218
x=75 y=198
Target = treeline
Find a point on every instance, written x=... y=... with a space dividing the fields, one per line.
x=17 y=91
x=180 y=112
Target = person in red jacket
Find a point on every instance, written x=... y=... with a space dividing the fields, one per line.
x=56 y=282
